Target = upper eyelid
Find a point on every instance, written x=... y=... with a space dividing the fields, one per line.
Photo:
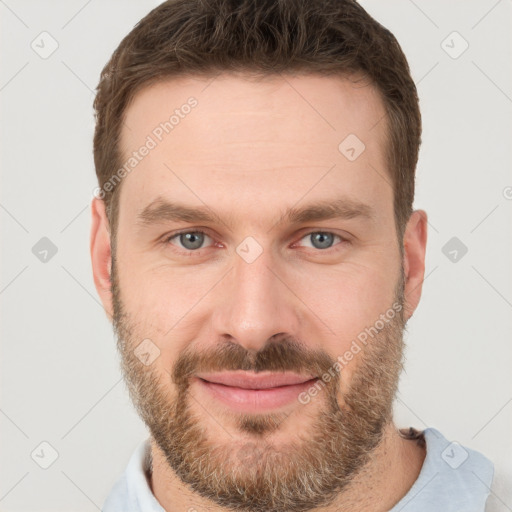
x=197 y=230
x=318 y=231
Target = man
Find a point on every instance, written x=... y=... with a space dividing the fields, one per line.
x=254 y=244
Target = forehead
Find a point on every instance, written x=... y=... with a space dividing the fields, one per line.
x=268 y=140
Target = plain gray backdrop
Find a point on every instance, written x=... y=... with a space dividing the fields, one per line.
x=61 y=384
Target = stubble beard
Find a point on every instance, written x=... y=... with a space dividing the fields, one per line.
x=252 y=473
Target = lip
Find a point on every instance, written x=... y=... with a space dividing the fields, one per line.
x=253 y=392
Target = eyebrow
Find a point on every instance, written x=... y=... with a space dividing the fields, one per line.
x=161 y=210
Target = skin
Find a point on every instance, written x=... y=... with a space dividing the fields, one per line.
x=249 y=151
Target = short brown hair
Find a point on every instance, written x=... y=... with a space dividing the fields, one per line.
x=202 y=37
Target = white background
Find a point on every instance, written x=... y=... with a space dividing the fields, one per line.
x=59 y=368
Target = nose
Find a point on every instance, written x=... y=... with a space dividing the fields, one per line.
x=255 y=303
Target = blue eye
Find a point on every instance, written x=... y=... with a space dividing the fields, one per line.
x=322 y=239
x=190 y=240
x=195 y=240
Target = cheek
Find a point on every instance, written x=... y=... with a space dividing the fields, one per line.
x=157 y=291
x=165 y=305
x=344 y=302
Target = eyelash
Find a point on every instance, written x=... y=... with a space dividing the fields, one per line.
x=168 y=238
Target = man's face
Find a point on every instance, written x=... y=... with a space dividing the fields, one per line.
x=260 y=293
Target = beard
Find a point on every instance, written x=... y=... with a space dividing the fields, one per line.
x=249 y=472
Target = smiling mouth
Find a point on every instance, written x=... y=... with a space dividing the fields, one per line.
x=251 y=392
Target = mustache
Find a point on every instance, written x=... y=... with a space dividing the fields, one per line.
x=278 y=355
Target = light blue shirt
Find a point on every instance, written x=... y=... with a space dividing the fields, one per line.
x=453 y=478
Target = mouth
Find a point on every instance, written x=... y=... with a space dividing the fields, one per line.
x=254 y=392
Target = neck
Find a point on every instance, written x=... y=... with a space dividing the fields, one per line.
x=385 y=480
x=387 y=477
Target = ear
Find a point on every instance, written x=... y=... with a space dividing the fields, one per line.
x=101 y=256
x=415 y=243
